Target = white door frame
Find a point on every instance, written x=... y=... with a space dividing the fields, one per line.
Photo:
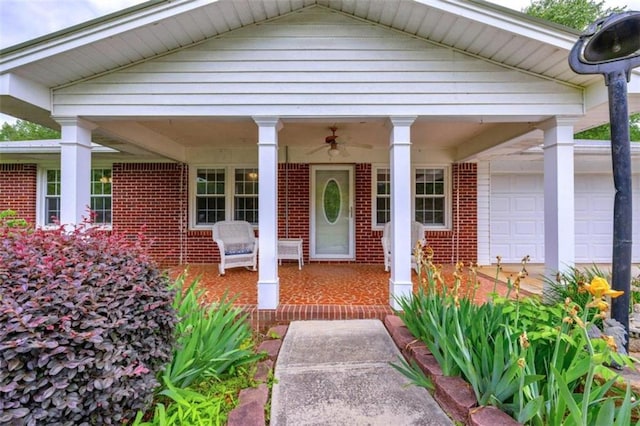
x=312 y=237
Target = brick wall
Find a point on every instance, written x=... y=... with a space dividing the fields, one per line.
x=154 y=197
x=151 y=198
x=293 y=214
x=18 y=189
x=461 y=242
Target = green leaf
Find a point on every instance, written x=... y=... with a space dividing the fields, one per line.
x=530 y=409
x=606 y=413
x=567 y=397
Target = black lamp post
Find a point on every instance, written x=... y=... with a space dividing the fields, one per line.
x=611 y=46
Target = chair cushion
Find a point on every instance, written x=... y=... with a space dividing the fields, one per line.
x=232 y=249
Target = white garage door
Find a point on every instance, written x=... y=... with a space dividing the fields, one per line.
x=517 y=217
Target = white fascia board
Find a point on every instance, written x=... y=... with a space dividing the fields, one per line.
x=508 y=20
x=588 y=146
x=595 y=95
x=26 y=90
x=44 y=146
x=97 y=32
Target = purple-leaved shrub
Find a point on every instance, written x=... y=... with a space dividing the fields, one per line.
x=86 y=323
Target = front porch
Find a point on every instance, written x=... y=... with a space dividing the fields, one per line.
x=319 y=291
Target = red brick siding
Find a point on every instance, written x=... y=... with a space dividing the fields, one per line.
x=151 y=198
x=368 y=246
x=18 y=189
x=293 y=216
x=461 y=242
x=155 y=197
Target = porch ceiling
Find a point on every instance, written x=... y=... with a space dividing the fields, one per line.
x=362 y=139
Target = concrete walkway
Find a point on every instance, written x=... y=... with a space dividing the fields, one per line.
x=338 y=373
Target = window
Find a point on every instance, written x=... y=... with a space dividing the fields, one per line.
x=52 y=197
x=430 y=196
x=246 y=195
x=223 y=193
x=100 y=196
x=210 y=196
x=383 y=196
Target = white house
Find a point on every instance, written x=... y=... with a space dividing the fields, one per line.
x=446 y=112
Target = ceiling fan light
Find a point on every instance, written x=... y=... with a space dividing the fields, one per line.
x=333 y=152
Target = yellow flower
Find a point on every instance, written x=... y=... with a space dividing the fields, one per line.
x=521 y=362
x=611 y=342
x=600 y=287
x=599 y=304
x=524 y=340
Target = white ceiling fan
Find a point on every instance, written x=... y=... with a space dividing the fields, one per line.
x=336 y=148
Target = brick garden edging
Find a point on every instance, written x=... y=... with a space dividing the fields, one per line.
x=252 y=402
x=454 y=394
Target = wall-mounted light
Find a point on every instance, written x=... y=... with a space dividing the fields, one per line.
x=253 y=175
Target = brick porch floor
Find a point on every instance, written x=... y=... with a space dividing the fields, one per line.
x=318 y=291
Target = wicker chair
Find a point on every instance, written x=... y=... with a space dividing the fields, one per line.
x=237 y=243
x=417 y=236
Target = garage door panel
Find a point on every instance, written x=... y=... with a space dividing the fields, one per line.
x=524 y=205
x=524 y=229
x=501 y=228
x=600 y=229
x=581 y=227
x=500 y=184
x=500 y=205
x=602 y=251
x=525 y=181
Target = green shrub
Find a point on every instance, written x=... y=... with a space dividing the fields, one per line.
x=211 y=341
x=86 y=324
x=536 y=362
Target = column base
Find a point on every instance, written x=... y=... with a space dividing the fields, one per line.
x=399 y=289
x=268 y=294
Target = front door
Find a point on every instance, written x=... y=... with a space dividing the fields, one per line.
x=332 y=227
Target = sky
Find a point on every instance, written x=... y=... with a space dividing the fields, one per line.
x=22 y=20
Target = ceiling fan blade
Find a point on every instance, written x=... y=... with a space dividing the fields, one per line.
x=361 y=145
x=313 y=151
x=344 y=152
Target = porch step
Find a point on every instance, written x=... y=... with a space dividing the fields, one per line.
x=262 y=319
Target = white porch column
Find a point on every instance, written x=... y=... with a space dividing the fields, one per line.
x=268 y=281
x=559 y=211
x=75 y=169
x=484 y=209
x=400 y=158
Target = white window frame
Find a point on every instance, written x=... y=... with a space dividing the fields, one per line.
x=448 y=216
x=229 y=180
x=41 y=193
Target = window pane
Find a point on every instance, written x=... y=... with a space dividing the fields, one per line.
x=101 y=208
x=52 y=210
x=246 y=208
x=209 y=210
x=210 y=182
x=246 y=181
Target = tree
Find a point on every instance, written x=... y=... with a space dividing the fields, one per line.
x=577 y=14
x=603 y=132
x=26 y=131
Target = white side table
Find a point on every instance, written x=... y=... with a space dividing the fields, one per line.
x=291 y=249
